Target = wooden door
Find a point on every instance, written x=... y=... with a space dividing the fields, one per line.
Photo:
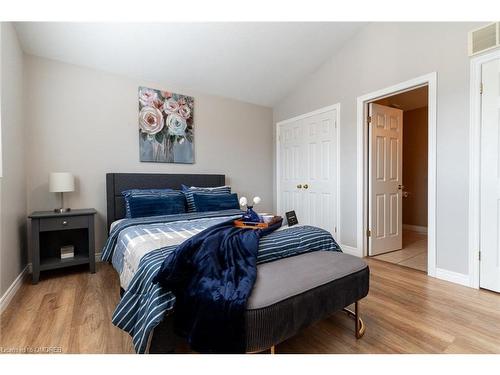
x=385 y=165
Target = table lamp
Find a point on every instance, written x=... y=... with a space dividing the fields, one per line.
x=61 y=182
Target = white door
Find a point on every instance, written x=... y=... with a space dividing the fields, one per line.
x=307 y=169
x=319 y=187
x=490 y=177
x=385 y=165
x=291 y=168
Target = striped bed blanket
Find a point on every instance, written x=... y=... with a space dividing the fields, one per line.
x=137 y=248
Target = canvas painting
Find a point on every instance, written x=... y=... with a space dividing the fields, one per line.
x=165 y=126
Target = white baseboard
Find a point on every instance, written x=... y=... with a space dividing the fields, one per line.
x=351 y=250
x=13 y=288
x=415 y=228
x=453 y=277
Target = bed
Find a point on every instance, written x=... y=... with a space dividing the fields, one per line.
x=297 y=283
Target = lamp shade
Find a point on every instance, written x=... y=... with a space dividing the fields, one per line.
x=61 y=182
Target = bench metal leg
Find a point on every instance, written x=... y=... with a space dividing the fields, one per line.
x=359 y=325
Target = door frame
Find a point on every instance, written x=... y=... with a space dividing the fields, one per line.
x=429 y=80
x=475 y=163
x=332 y=107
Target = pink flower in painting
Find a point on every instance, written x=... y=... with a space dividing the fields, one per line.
x=166 y=94
x=185 y=112
x=158 y=104
x=147 y=96
x=181 y=101
x=170 y=106
x=150 y=120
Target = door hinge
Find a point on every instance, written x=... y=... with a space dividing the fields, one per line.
x=369 y=119
x=368 y=233
x=335 y=229
x=481 y=88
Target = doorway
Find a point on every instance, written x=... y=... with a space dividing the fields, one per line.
x=398 y=157
x=388 y=197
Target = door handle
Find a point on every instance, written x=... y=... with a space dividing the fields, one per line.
x=299 y=186
x=306 y=186
x=401 y=187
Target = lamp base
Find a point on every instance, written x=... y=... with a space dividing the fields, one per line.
x=61 y=210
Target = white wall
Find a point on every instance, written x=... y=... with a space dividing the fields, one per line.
x=13 y=182
x=380 y=55
x=85 y=121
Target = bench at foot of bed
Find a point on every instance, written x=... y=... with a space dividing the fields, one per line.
x=292 y=293
x=359 y=326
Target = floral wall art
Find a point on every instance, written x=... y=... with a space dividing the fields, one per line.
x=165 y=126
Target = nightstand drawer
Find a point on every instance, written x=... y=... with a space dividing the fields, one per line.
x=68 y=222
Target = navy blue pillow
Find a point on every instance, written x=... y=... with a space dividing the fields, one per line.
x=215 y=202
x=145 y=204
x=189 y=191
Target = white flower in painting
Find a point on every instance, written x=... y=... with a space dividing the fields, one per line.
x=150 y=120
x=170 y=106
x=185 y=112
x=175 y=124
x=147 y=96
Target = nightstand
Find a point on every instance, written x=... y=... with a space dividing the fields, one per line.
x=50 y=231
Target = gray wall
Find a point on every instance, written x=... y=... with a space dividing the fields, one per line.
x=85 y=121
x=13 y=182
x=380 y=55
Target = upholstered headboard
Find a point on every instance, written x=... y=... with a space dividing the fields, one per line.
x=116 y=183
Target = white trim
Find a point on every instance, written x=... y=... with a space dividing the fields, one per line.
x=350 y=250
x=474 y=163
x=454 y=277
x=415 y=228
x=362 y=138
x=335 y=107
x=13 y=288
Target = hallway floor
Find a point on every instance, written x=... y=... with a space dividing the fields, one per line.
x=412 y=255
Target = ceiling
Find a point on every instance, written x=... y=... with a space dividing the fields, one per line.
x=408 y=100
x=253 y=62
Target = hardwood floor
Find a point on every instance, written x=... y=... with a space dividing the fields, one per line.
x=405 y=312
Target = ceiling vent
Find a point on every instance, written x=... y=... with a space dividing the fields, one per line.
x=484 y=38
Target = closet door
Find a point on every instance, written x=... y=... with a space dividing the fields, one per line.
x=320 y=193
x=490 y=177
x=307 y=169
x=291 y=168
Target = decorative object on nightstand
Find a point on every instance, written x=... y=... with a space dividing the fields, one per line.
x=62 y=240
x=61 y=182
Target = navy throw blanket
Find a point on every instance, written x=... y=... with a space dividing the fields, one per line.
x=212 y=275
